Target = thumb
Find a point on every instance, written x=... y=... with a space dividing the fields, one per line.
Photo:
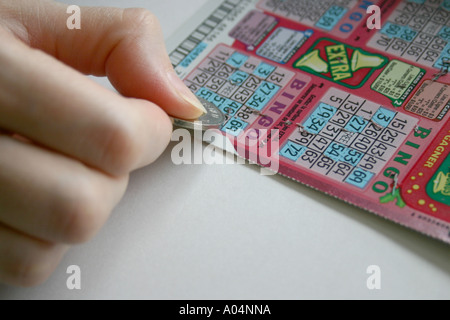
x=124 y=44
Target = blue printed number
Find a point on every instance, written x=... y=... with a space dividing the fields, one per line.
x=237 y=60
x=445 y=33
x=359 y=178
x=205 y=93
x=267 y=89
x=339 y=152
x=335 y=151
x=408 y=34
x=315 y=124
x=446 y=5
x=319 y=118
x=234 y=126
x=292 y=150
x=217 y=100
x=444 y=54
x=263 y=70
x=395 y=31
x=383 y=117
x=210 y=96
x=238 y=77
x=356 y=124
x=263 y=95
x=230 y=107
x=351 y=156
x=325 y=111
x=392 y=30
x=257 y=101
x=329 y=20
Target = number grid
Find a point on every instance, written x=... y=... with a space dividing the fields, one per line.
x=418 y=32
x=240 y=85
x=324 y=14
x=348 y=138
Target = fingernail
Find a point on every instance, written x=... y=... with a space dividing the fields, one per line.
x=185 y=93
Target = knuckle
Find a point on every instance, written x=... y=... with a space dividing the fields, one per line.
x=79 y=210
x=30 y=274
x=31 y=268
x=120 y=146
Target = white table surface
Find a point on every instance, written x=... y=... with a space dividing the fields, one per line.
x=226 y=232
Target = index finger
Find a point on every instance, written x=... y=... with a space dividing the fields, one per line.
x=55 y=106
x=124 y=44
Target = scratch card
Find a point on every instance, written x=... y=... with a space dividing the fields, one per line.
x=360 y=113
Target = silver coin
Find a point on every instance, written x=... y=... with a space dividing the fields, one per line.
x=212 y=119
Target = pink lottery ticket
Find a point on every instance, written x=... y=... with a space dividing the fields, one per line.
x=360 y=113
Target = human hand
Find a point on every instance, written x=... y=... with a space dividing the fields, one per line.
x=67 y=145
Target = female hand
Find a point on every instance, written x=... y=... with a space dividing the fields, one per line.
x=67 y=145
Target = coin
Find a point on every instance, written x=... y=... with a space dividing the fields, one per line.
x=212 y=119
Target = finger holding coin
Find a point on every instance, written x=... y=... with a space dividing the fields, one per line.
x=212 y=119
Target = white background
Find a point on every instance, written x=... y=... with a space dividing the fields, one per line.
x=226 y=232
